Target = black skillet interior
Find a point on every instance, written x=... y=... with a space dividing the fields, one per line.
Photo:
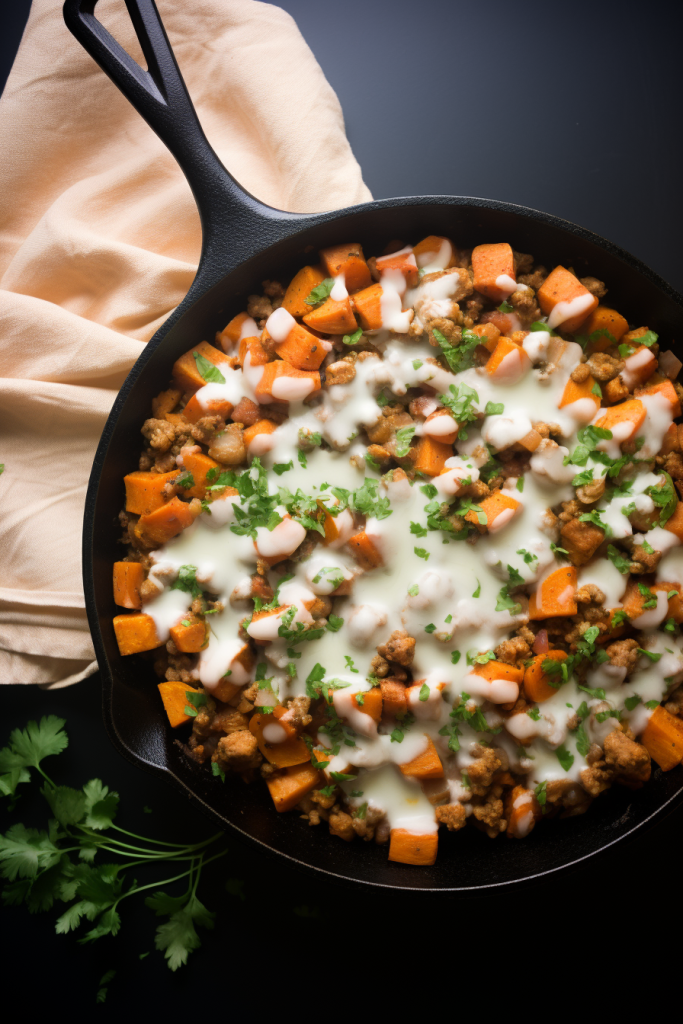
x=244 y=243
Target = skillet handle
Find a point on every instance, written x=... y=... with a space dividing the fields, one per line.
x=234 y=223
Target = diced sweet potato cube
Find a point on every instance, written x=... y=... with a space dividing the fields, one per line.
x=136 y=633
x=429 y=249
x=667 y=390
x=605 y=319
x=335 y=316
x=536 y=685
x=185 y=371
x=410 y=848
x=167 y=522
x=499 y=670
x=675 y=523
x=302 y=349
x=165 y=401
x=254 y=348
x=404 y=261
x=432 y=455
x=508 y=362
x=300 y=287
x=261 y=427
x=561 y=286
x=199 y=465
x=191 y=638
x=522 y=810
x=364 y=551
x=144 y=491
x=663 y=738
x=371 y=703
x=494 y=506
x=282 y=382
x=291 y=750
x=555 y=596
x=230 y=334
x=174 y=698
x=426 y=765
x=293 y=784
x=575 y=392
x=194 y=411
x=489 y=262
x=128 y=577
x=347 y=260
x=368 y=306
x=624 y=420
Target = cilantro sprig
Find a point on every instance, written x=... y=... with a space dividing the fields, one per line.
x=44 y=868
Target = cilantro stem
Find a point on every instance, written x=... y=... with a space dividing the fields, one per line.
x=176 y=878
x=94 y=835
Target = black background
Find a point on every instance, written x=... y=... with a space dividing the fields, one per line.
x=572 y=109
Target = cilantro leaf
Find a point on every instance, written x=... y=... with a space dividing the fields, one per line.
x=26 y=851
x=320 y=293
x=618 y=560
x=582 y=741
x=507 y=603
x=353 y=339
x=178 y=937
x=29 y=746
x=458 y=357
x=100 y=805
x=565 y=758
x=421 y=553
x=403 y=438
x=664 y=495
x=208 y=370
x=418 y=530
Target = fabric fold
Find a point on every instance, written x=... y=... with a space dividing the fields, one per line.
x=99 y=242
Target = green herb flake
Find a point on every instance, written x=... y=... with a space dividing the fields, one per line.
x=208 y=370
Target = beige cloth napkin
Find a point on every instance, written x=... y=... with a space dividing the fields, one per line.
x=99 y=241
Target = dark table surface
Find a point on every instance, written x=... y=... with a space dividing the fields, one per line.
x=577 y=115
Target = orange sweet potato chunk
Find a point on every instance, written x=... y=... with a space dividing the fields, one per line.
x=410 y=848
x=663 y=738
x=432 y=455
x=300 y=287
x=281 y=368
x=562 y=286
x=364 y=551
x=185 y=371
x=293 y=784
x=631 y=412
x=199 y=465
x=291 y=751
x=536 y=685
x=372 y=703
x=605 y=319
x=348 y=260
x=128 y=577
x=302 y=349
x=144 y=491
x=135 y=633
x=426 y=765
x=167 y=522
x=335 y=316
x=174 y=699
x=489 y=262
x=368 y=306
x=555 y=596
x=190 y=639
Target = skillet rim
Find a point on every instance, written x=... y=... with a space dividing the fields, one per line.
x=206 y=278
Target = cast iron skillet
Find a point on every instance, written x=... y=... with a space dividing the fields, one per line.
x=245 y=242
